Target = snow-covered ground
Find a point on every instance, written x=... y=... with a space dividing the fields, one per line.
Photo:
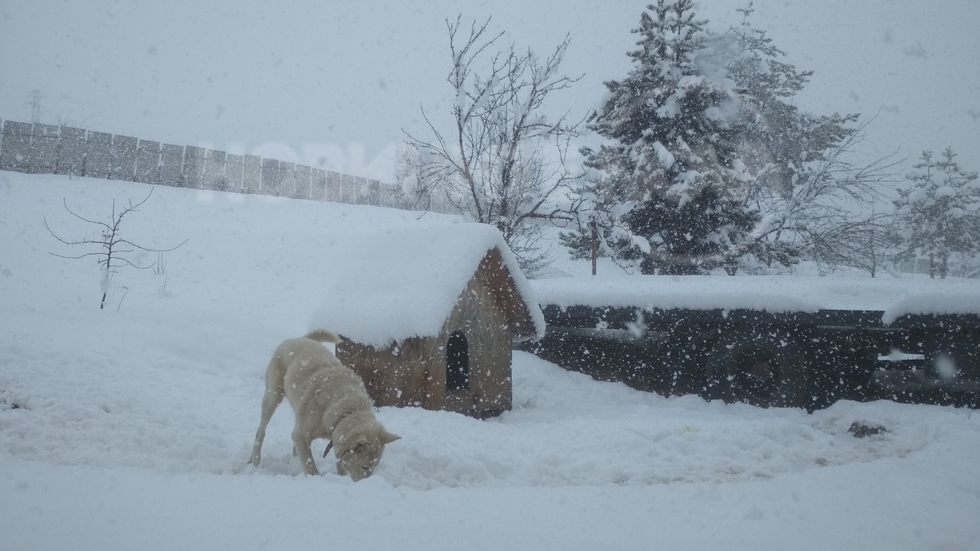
x=129 y=427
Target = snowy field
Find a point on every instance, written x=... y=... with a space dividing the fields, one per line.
x=129 y=427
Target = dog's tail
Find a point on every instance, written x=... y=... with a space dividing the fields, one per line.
x=322 y=335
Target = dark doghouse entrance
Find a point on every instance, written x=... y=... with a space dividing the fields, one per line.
x=457 y=363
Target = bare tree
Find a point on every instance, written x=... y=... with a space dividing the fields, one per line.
x=829 y=211
x=503 y=162
x=111 y=250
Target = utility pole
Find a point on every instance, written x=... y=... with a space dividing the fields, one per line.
x=35 y=104
x=595 y=243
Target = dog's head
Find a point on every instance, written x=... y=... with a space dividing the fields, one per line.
x=359 y=454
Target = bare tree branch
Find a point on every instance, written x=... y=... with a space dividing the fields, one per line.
x=112 y=248
x=499 y=167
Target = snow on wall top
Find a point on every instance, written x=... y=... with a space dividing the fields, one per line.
x=400 y=282
x=892 y=296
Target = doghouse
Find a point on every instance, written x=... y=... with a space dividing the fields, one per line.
x=428 y=317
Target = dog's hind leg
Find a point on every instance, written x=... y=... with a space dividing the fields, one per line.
x=274 y=392
x=270 y=401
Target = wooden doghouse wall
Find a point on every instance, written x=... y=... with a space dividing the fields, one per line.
x=483 y=320
x=399 y=375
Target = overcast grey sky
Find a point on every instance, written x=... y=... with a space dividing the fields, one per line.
x=338 y=81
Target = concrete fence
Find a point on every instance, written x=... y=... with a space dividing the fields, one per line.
x=49 y=149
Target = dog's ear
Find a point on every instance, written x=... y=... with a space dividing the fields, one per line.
x=387 y=437
x=362 y=441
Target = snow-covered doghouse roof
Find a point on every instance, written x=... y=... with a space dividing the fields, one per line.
x=401 y=282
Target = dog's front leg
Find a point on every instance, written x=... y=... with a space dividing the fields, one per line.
x=301 y=446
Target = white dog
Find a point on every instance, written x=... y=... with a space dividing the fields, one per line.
x=329 y=400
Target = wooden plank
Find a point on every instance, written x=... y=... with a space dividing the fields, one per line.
x=234 y=168
x=304 y=175
x=171 y=165
x=194 y=159
x=287 y=179
x=214 y=170
x=270 y=177
x=98 y=155
x=16 y=151
x=71 y=151
x=318 y=185
x=348 y=189
x=123 y=158
x=252 y=174
x=333 y=186
x=44 y=149
x=148 y=162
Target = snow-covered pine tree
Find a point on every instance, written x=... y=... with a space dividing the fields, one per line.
x=940 y=211
x=814 y=199
x=669 y=189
